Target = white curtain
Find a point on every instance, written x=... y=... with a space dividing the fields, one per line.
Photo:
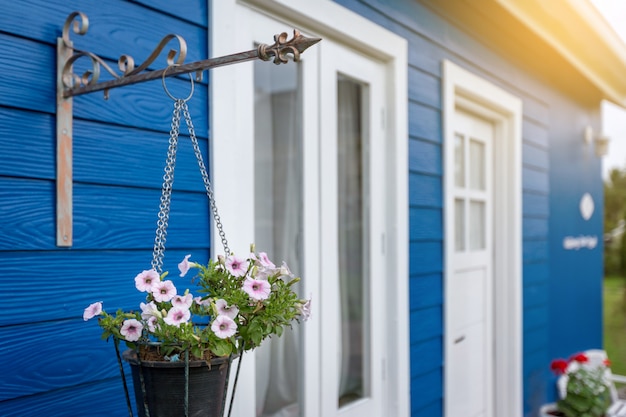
x=350 y=177
x=278 y=224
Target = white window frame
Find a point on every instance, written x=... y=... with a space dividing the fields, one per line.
x=465 y=89
x=327 y=19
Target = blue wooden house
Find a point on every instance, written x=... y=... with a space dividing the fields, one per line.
x=432 y=169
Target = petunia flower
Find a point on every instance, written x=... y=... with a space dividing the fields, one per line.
x=265 y=260
x=184 y=266
x=131 y=330
x=93 y=310
x=202 y=301
x=225 y=310
x=152 y=322
x=183 y=301
x=236 y=266
x=224 y=327
x=177 y=315
x=305 y=309
x=163 y=291
x=149 y=310
x=284 y=270
x=257 y=289
x=145 y=280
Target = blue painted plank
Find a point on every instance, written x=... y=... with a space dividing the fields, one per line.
x=425 y=157
x=424 y=88
x=425 y=224
x=534 y=133
x=536 y=339
x=425 y=291
x=536 y=272
x=192 y=10
x=536 y=295
x=425 y=257
x=116 y=27
x=536 y=204
x=425 y=389
x=28 y=147
x=534 y=156
x=426 y=356
x=424 y=123
x=535 y=180
x=104 y=217
x=425 y=191
x=536 y=317
x=108 y=154
x=72 y=350
x=434 y=409
x=535 y=228
x=23 y=81
x=426 y=324
x=102 y=399
x=75 y=279
x=535 y=251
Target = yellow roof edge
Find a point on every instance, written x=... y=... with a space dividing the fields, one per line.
x=604 y=64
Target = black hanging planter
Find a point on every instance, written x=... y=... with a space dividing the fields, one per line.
x=161 y=386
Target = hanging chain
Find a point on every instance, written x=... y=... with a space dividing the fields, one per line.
x=166 y=190
x=205 y=177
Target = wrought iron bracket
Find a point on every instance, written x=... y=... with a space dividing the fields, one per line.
x=70 y=84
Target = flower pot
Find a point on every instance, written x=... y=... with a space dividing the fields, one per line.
x=163 y=390
x=549 y=410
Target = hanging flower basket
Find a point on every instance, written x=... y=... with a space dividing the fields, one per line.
x=181 y=345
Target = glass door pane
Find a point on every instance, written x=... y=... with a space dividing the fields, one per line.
x=278 y=223
x=352 y=242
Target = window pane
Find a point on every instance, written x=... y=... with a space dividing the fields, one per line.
x=477 y=165
x=278 y=223
x=459 y=160
x=352 y=235
x=459 y=224
x=477 y=225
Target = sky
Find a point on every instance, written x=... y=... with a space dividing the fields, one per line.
x=614 y=117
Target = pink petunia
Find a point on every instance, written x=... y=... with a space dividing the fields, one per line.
x=284 y=270
x=152 y=323
x=305 y=309
x=149 y=310
x=225 y=310
x=224 y=327
x=131 y=330
x=93 y=310
x=183 y=301
x=257 y=289
x=146 y=280
x=265 y=260
x=163 y=291
x=236 y=266
x=202 y=302
x=184 y=266
x=177 y=315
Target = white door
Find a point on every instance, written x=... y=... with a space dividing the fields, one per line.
x=470 y=281
x=307 y=141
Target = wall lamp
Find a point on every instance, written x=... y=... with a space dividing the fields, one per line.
x=600 y=142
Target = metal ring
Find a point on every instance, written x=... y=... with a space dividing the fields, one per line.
x=168 y=91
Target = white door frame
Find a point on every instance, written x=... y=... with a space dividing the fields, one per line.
x=232 y=127
x=463 y=89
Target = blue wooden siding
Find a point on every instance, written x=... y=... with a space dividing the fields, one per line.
x=54 y=363
x=431 y=39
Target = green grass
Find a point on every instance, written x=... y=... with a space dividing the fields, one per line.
x=615 y=322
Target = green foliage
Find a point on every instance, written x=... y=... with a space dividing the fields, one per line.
x=614 y=213
x=587 y=394
x=251 y=317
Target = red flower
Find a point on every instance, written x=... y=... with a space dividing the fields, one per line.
x=558 y=366
x=606 y=363
x=580 y=358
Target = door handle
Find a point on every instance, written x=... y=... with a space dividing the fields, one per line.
x=459 y=339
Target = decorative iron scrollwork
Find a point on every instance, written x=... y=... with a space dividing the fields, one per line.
x=282 y=48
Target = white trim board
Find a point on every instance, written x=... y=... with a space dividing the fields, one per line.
x=325 y=19
x=470 y=92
